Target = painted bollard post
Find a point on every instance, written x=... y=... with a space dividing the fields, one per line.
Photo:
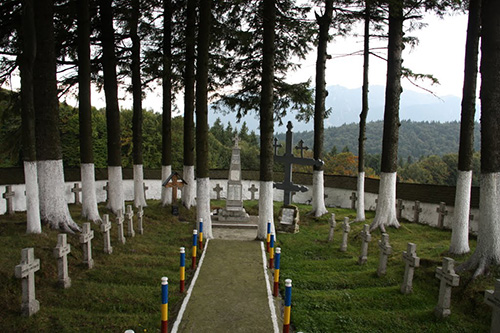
x=183 y=269
x=268 y=241
x=288 y=306
x=277 y=261
x=271 y=252
x=164 y=304
x=195 y=241
x=200 y=234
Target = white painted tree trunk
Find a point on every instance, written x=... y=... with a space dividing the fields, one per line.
x=33 y=223
x=488 y=235
x=116 y=199
x=266 y=209
x=318 y=198
x=360 y=204
x=139 y=196
x=166 y=192
x=53 y=206
x=89 y=197
x=203 y=205
x=385 y=214
x=460 y=227
x=189 y=190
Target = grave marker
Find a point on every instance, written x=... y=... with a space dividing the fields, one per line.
x=288 y=159
x=129 y=216
x=140 y=215
x=145 y=187
x=252 y=190
x=442 y=213
x=411 y=261
x=345 y=235
x=366 y=237
x=333 y=224
x=218 y=189
x=174 y=181
x=106 y=188
x=289 y=219
x=105 y=229
x=61 y=254
x=86 y=241
x=448 y=279
x=119 y=222
x=416 y=211
x=9 y=197
x=353 y=198
x=26 y=271
x=492 y=298
x=399 y=208
x=300 y=146
x=385 y=251
x=76 y=189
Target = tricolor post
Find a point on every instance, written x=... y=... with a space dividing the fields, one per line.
x=164 y=305
x=268 y=236
x=200 y=234
x=288 y=306
x=271 y=252
x=277 y=272
x=195 y=241
x=183 y=269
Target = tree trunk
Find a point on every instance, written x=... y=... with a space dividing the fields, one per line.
x=188 y=192
x=53 y=207
x=115 y=192
x=166 y=153
x=266 y=120
x=324 y=22
x=26 y=63
x=360 y=207
x=87 y=168
x=203 y=182
x=460 y=228
x=488 y=239
x=386 y=209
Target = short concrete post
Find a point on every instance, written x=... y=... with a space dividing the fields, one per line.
x=140 y=216
x=119 y=223
x=333 y=224
x=130 y=221
x=86 y=241
x=9 y=197
x=416 y=211
x=366 y=237
x=442 y=213
x=346 y=228
x=105 y=229
x=76 y=189
x=492 y=298
x=385 y=251
x=26 y=271
x=411 y=261
x=61 y=254
x=448 y=279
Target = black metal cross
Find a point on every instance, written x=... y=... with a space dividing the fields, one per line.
x=301 y=147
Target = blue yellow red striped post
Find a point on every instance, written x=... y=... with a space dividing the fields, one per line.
x=268 y=236
x=277 y=259
x=195 y=241
x=288 y=306
x=271 y=251
x=164 y=305
x=183 y=269
x=200 y=234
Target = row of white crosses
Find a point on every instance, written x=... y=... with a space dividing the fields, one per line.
x=29 y=265
x=446 y=274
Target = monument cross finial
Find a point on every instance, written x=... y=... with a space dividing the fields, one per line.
x=236 y=140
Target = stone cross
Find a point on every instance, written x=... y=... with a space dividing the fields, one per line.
x=26 y=271
x=61 y=253
x=385 y=251
x=145 y=187
x=411 y=260
x=492 y=298
x=333 y=224
x=353 y=198
x=366 y=237
x=288 y=159
x=105 y=229
x=76 y=190
x=300 y=146
x=346 y=227
x=416 y=211
x=9 y=197
x=448 y=279
x=399 y=208
x=140 y=215
x=86 y=241
x=119 y=222
x=276 y=145
x=218 y=189
x=129 y=216
x=106 y=188
x=253 y=189
x=442 y=213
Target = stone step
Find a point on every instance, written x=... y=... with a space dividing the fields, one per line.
x=234 y=225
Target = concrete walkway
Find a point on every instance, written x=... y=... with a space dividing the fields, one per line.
x=230 y=293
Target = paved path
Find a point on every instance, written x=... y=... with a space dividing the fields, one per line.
x=230 y=293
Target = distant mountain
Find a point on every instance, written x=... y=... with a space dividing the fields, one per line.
x=346 y=106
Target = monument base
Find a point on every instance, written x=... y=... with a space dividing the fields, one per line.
x=240 y=215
